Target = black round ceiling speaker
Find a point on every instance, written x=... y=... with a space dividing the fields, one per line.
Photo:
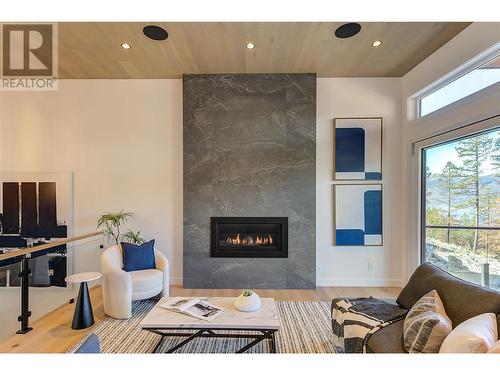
x=155 y=32
x=347 y=30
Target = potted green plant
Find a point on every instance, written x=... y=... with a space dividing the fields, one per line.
x=133 y=237
x=247 y=301
x=111 y=222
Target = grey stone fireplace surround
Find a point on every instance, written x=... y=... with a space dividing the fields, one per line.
x=250 y=150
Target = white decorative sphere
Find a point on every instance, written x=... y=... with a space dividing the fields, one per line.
x=247 y=303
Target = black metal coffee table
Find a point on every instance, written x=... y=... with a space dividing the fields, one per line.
x=258 y=326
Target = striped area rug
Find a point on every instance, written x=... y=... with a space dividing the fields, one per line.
x=305 y=328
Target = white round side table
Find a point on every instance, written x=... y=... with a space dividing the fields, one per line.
x=83 y=316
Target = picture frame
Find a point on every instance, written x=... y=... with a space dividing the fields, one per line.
x=357 y=214
x=357 y=148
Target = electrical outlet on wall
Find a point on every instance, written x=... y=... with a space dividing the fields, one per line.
x=370 y=266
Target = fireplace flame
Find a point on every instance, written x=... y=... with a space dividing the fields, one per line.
x=249 y=240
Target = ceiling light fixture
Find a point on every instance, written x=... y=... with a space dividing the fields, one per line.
x=347 y=30
x=125 y=45
x=155 y=32
x=250 y=45
x=377 y=43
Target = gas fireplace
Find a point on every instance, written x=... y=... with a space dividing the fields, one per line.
x=249 y=237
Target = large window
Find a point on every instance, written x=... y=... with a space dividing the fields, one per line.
x=461 y=207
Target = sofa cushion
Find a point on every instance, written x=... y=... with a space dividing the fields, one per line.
x=146 y=280
x=426 y=325
x=462 y=300
x=475 y=335
x=387 y=340
x=138 y=257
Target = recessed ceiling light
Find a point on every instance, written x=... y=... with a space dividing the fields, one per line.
x=125 y=45
x=377 y=43
x=347 y=30
x=250 y=45
x=155 y=32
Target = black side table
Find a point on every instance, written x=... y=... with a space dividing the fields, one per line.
x=83 y=317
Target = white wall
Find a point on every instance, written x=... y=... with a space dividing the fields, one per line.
x=122 y=139
x=467 y=44
x=340 y=265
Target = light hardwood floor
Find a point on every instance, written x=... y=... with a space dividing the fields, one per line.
x=53 y=334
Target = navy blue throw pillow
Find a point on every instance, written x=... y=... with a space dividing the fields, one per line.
x=138 y=257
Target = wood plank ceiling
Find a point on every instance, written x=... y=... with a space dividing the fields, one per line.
x=92 y=50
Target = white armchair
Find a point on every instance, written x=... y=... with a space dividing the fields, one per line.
x=120 y=288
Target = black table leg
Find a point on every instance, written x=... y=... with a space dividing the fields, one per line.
x=83 y=316
x=184 y=342
x=159 y=344
x=251 y=344
x=268 y=335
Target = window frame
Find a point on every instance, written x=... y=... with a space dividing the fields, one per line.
x=462 y=132
x=483 y=58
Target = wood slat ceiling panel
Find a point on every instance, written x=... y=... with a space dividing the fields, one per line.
x=92 y=50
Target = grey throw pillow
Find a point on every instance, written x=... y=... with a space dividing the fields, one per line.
x=426 y=325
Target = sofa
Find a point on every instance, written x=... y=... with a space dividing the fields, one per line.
x=120 y=288
x=462 y=300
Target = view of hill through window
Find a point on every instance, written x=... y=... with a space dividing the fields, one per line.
x=462 y=207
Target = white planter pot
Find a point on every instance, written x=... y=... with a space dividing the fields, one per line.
x=247 y=304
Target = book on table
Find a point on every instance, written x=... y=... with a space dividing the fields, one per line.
x=194 y=307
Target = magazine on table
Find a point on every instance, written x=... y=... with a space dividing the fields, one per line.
x=193 y=307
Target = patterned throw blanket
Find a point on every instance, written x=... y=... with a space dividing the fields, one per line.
x=355 y=320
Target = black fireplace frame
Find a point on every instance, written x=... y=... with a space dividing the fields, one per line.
x=215 y=252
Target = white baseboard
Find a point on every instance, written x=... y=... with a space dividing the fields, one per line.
x=360 y=282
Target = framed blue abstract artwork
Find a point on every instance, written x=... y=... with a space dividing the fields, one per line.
x=357 y=148
x=357 y=215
